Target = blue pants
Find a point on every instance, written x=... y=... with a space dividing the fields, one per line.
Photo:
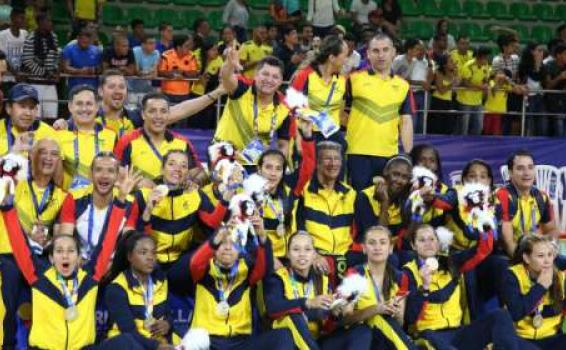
x=471 y=121
x=122 y=341
x=362 y=169
x=496 y=328
x=354 y=338
x=391 y=336
x=557 y=341
x=12 y=282
x=277 y=339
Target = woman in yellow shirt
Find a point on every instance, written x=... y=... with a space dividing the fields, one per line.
x=445 y=79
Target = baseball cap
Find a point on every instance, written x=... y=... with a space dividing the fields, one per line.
x=20 y=92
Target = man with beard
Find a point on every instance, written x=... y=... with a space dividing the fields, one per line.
x=326 y=212
x=144 y=148
x=86 y=210
x=84 y=138
x=18 y=131
x=255 y=117
x=37 y=202
x=382 y=203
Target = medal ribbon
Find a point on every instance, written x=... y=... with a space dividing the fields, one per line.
x=147 y=296
x=272 y=141
x=153 y=148
x=533 y=219
x=70 y=296
x=295 y=285
x=90 y=228
x=76 y=147
x=375 y=288
x=224 y=292
x=278 y=213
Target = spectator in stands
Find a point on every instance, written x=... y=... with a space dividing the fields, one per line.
x=209 y=63
x=551 y=46
x=380 y=107
x=556 y=80
x=474 y=77
x=306 y=37
x=439 y=46
x=83 y=11
x=416 y=68
x=442 y=28
x=236 y=14
x=523 y=209
x=165 y=37
x=84 y=138
x=253 y=51
x=255 y=106
x=228 y=40
x=561 y=33
x=285 y=12
x=495 y=106
x=138 y=32
x=147 y=60
x=360 y=10
x=12 y=42
x=354 y=58
x=272 y=35
x=289 y=51
x=321 y=15
x=532 y=74
x=509 y=60
x=40 y=64
x=462 y=54
x=201 y=28
x=392 y=14
x=82 y=59
x=445 y=80
x=120 y=56
x=178 y=64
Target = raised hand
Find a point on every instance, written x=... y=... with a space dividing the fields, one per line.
x=128 y=180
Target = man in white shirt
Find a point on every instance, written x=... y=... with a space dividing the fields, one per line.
x=12 y=43
x=360 y=10
x=415 y=67
x=321 y=15
x=354 y=58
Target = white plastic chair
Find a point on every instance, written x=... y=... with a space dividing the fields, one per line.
x=504 y=173
x=455 y=177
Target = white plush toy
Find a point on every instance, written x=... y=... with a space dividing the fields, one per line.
x=255 y=186
x=223 y=162
x=422 y=177
x=242 y=208
x=195 y=339
x=475 y=198
x=445 y=238
x=13 y=168
x=350 y=290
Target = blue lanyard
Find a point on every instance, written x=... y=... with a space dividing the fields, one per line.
x=9 y=135
x=91 y=221
x=279 y=214
x=153 y=148
x=40 y=208
x=375 y=287
x=272 y=142
x=330 y=94
x=76 y=147
x=66 y=293
x=223 y=292
x=295 y=286
x=147 y=296
x=533 y=219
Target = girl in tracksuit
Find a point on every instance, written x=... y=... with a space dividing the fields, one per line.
x=136 y=297
x=299 y=299
x=436 y=303
x=534 y=293
x=382 y=305
x=64 y=295
x=223 y=279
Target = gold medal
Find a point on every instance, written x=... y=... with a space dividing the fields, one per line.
x=71 y=313
x=148 y=323
x=223 y=308
x=281 y=229
x=537 y=321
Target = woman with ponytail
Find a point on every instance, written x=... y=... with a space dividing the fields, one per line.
x=136 y=296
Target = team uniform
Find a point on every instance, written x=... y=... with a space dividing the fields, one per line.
x=136 y=150
x=250 y=127
x=130 y=305
x=129 y=120
x=328 y=216
x=223 y=299
x=252 y=52
x=78 y=149
x=63 y=310
x=531 y=307
x=376 y=106
x=32 y=203
x=9 y=134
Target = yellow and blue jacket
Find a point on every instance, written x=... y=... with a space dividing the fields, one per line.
x=129 y=121
x=174 y=219
x=205 y=274
x=125 y=302
x=50 y=330
x=524 y=297
x=8 y=134
x=328 y=215
x=286 y=294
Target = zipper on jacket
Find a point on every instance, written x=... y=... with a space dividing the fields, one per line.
x=172 y=236
x=67 y=335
